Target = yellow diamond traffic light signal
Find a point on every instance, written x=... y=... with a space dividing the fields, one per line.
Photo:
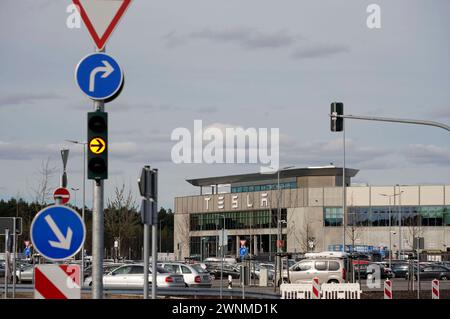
x=98 y=145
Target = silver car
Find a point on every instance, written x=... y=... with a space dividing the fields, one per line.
x=327 y=270
x=194 y=274
x=24 y=273
x=132 y=276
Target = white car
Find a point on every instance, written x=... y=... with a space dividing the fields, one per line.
x=194 y=274
x=132 y=276
x=24 y=273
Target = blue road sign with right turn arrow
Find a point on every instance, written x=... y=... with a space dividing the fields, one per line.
x=99 y=76
x=57 y=232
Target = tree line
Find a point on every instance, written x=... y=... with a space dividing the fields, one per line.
x=122 y=223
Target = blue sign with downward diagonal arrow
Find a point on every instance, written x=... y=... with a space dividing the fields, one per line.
x=57 y=232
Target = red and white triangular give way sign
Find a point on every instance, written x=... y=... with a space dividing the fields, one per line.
x=101 y=17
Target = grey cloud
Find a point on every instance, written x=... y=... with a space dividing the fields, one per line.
x=207 y=109
x=319 y=50
x=27 y=98
x=174 y=40
x=428 y=154
x=21 y=151
x=247 y=37
x=324 y=153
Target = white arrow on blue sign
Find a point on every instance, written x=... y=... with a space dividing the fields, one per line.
x=99 y=76
x=57 y=232
x=243 y=251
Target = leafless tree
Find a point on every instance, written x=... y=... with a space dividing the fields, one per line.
x=303 y=234
x=44 y=189
x=414 y=230
x=182 y=232
x=122 y=220
x=353 y=232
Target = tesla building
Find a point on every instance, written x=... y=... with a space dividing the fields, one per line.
x=309 y=201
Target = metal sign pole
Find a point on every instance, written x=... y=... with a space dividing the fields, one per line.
x=154 y=253
x=418 y=268
x=154 y=229
x=98 y=230
x=14 y=259
x=146 y=258
x=6 y=262
x=82 y=210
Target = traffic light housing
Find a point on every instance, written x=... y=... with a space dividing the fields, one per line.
x=97 y=161
x=337 y=123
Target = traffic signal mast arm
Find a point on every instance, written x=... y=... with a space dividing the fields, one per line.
x=387 y=119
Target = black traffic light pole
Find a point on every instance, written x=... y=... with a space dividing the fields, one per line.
x=337 y=125
x=387 y=119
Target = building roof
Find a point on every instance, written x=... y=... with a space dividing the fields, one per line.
x=296 y=172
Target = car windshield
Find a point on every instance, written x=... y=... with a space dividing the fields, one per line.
x=199 y=268
x=161 y=270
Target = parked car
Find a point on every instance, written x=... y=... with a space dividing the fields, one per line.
x=2 y=273
x=132 y=276
x=434 y=271
x=25 y=273
x=194 y=275
x=385 y=271
x=270 y=270
x=327 y=269
x=106 y=269
x=400 y=270
x=228 y=270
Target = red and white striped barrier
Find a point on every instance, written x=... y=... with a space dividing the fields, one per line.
x=435 y=289
x=57 y=282
x=388 y=289
x=315 y=288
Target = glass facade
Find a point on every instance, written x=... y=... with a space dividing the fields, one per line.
x=237 y=220
x=379 y=216
x=332 y=216
x=207 y=246
x=258 y=188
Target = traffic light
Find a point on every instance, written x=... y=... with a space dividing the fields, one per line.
x=337 y=123
x=97 y=145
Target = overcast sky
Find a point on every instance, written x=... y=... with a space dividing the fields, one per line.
x=253 y=63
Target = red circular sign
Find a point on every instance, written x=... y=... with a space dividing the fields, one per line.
x=61 y=194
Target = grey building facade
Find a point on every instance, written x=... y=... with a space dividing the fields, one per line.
x=310 y=201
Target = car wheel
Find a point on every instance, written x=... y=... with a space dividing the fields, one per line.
x=18 y=280
x=333 y=281
x=444 y=277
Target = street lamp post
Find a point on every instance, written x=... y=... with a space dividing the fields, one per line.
x=221 y=252
x=84 y=201
x=75 y=190
x=278 y=268
x=160 y=236
x=390 y=230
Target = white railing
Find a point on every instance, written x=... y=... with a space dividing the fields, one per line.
x=327 y=291
x=296 y=291
x=341 y=291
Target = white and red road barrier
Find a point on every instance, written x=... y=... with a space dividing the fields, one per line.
x=57 y=282
x=435 y=294
x=327 y=291
x=388 y=289
x=230 y=282
x=315 y=288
